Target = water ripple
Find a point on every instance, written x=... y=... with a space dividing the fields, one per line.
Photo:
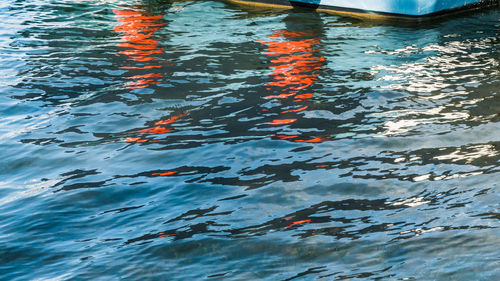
x=140 y=142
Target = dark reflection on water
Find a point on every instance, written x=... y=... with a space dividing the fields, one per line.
x=191 y=140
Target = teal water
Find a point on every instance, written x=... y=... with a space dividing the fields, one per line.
x=201 y=140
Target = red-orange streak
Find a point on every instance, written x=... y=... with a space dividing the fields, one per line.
x=282 y=96
x=143 y=83
x=126 y=12
x=295 y=110
x=292 y=79
x=165 y=173
x=302 y=59
x=301 y=222
x=138 y=28
x=316 y=139
x=291 y=75
x=298 y=222
x=142 y=58
x=153 y=131
x=139 y=15
x=138 y=37
x=295 y=61
x=135 y=140
x=282 y=121
x=290 y=33
x=279 y=48
x=131 y=24
x=142 y=17
x=139 y=52
x=138 y=42
x=283 y=137
x=141 y=67
x=142 y=86
x=304 y=96
x=170 y=120
x=151 y=46
x=166 y=235
x=149 y=75
x=135 y=15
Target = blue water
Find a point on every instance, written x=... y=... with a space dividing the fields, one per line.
x=201 y=140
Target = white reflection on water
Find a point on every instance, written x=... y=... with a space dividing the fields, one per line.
x=419 y=230
x=406 y=125
x=409 y=202
x=439 y=85
x=457 y=175
x=456 y=63
x=474 y=152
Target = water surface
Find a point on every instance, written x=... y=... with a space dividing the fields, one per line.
x=193 y=140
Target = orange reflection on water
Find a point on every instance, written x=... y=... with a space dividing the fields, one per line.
x=138 y=140
x=282 y=121
x=140 y=47
x=298 y=222
x=316 y=139
x=153 y=131
x=165 y=173
x=295 y=69
x=304 y=96
x=281 y=96
x=162 y=234
x=296 y=110
x=170 y=120
x=284 y=137
x=158 y=129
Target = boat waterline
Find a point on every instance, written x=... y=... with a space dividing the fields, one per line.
x=411 y=9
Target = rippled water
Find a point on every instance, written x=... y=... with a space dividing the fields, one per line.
x=190 y=140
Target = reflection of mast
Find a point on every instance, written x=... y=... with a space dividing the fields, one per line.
x=294 y=71
x=140 y=47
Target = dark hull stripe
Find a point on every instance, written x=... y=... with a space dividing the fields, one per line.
x=365 y=13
